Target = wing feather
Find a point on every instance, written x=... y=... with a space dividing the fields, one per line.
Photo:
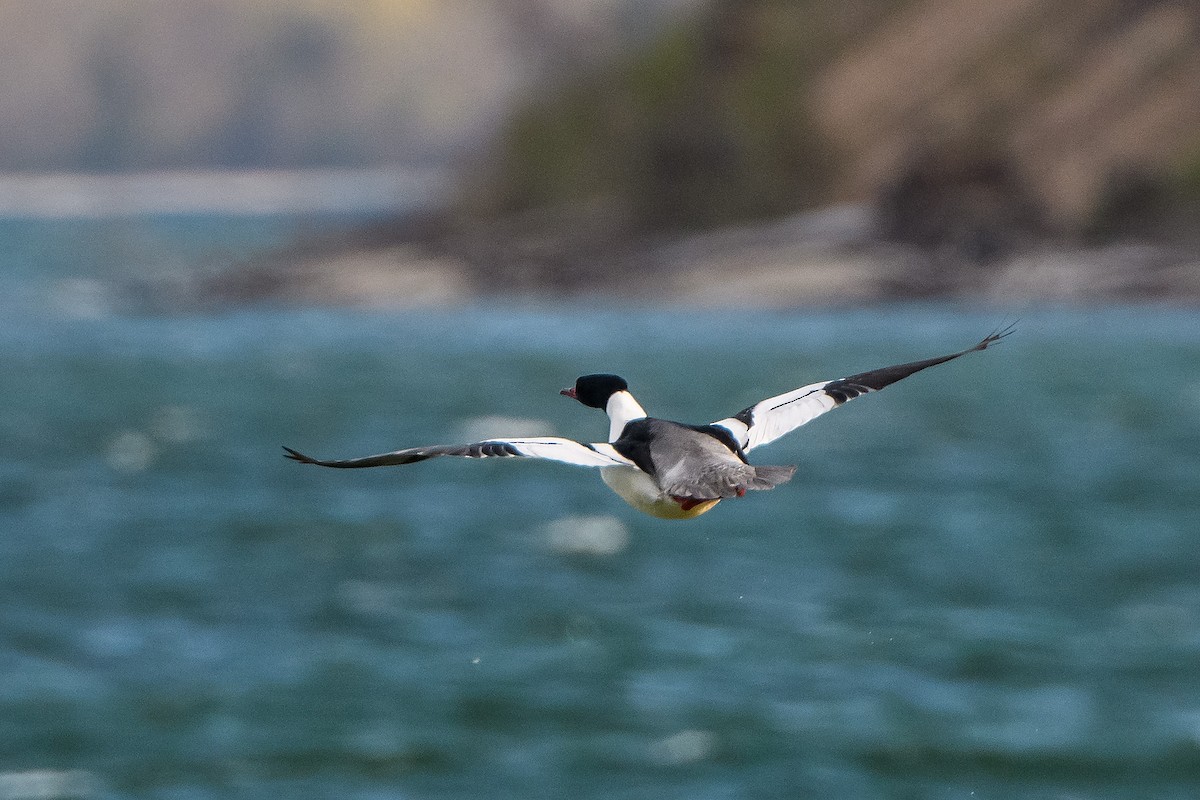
x=550 y=448
x=767 y=420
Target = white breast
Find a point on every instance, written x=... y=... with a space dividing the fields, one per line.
x=640 y=491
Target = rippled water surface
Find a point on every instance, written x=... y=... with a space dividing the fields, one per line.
x=982 y=583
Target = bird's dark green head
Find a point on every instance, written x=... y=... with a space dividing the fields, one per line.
x=594 y=390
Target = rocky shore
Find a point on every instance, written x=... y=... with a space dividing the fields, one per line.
x=834 y=256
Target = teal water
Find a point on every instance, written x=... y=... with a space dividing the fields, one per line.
x=982 y=582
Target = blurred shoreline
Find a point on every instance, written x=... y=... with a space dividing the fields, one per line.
x=829 y=257
x=390 y=243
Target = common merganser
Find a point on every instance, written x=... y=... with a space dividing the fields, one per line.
x=669 y=469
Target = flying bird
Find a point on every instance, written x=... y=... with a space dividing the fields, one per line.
x=669 y=469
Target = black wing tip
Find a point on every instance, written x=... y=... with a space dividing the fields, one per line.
x=996 y=336
x=296 y=455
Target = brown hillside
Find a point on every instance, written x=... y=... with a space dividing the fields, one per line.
x=761 y=107
x=1073 y=93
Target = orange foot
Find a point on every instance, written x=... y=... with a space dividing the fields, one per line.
x=687 y=503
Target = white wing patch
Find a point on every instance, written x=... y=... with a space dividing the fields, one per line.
x=767 y=420
x=569 y=451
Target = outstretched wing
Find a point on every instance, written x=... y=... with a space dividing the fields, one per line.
x=765 y=421
x=551 y=448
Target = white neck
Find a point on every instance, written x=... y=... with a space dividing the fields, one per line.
x=621 y=409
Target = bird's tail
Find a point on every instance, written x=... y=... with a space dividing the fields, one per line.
x=769 y=477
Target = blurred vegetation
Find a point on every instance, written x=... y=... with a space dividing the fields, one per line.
x=707 y=125
x=1149 y=201
x=984 y=124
